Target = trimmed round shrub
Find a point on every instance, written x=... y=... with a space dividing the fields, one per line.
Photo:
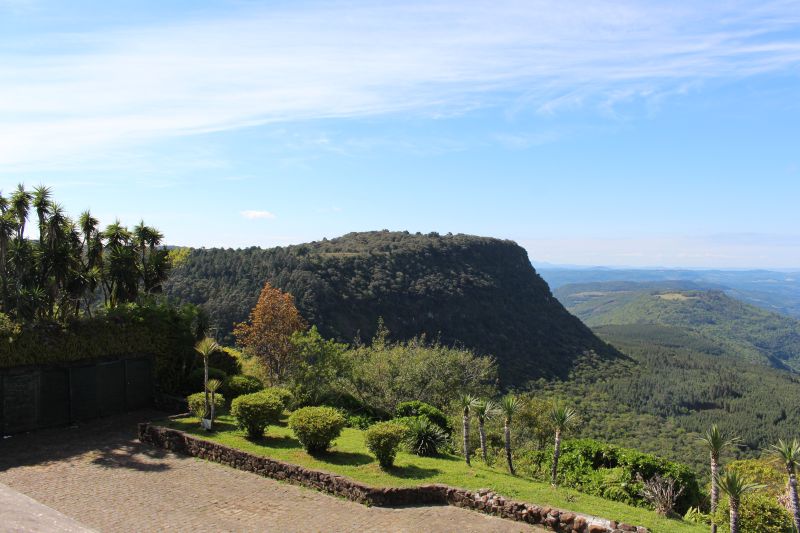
x=254 y=412
x=197 y=403
x=418 y=408
x=383 y=439
x=361 y=422
x=284 y=394
x=423 y=437
x=195 y=379
x=235 y=386
x=316 y=427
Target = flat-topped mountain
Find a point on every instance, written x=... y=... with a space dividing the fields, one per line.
x=479 y=292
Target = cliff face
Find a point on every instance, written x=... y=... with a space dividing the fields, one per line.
x=479 y=292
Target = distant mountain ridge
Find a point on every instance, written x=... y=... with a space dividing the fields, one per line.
x=772 y=290
x=482 y=293
x=733 y=328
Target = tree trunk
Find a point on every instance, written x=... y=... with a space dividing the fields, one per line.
x=482 y=433
x=556 y=453
x=714 y=490
x=734 y=515
x=466 y=435
x=793 y=494
x=211 y=426
x=205 y=386
x=507 y=431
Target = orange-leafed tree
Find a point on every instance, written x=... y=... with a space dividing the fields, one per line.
x=268 y=332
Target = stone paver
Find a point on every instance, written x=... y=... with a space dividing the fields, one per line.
x=101 y=476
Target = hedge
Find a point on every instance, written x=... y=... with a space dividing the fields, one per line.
x=160 y=330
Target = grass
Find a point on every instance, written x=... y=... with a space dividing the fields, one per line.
x=350 y=457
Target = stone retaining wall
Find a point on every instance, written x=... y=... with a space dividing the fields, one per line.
x=482 y=500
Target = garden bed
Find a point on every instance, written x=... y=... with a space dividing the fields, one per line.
x=349 y=471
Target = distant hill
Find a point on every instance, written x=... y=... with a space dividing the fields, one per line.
x=775 y=291
x=480 y=292
x=725 y=326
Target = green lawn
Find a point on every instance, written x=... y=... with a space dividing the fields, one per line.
x=349 y=457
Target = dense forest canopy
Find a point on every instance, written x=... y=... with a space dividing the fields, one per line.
x=480 y=292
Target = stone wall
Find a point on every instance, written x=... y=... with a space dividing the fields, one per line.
x=482 y=500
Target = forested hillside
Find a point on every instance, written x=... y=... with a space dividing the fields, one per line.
x=479 y=292
x=725 y=326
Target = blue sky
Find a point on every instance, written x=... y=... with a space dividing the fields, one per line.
x=592 y=132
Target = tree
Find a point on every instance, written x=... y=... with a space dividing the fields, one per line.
x=509 y=405
x=268 y=332
x=716 y=442
x=563 y=418
x=318 y=369
x=205 y=347
x=484 y=410
x=788 y=454
x=735 y=486
x=465 y=403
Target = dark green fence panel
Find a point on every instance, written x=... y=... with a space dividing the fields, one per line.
x=54 y=397
x=20 y=401
x=110 y=387
x=83 y=382
x=139 y=383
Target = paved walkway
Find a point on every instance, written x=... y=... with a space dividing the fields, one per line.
x=101 y=476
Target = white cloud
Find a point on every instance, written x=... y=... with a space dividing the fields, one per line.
x=65 y=95
x=256 y=215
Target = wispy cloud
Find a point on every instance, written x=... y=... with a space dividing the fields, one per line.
x=83 y=93
x=257 y=215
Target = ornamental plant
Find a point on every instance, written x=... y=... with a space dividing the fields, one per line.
x=316 y=427
x=383 y=440
x=235 y=386
x=197 y=404
x=254 y=412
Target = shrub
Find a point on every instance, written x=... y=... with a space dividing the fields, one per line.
x=361 y=422
x=758 y=513
x=196 y=381
x=235 y=386
x=423 y=437
x=285 y=395
x=254 y=412
x=316 y=427
x=661 y=493
x=383 y=439
x=418 y=408
x=225 y=361
x=197 y=403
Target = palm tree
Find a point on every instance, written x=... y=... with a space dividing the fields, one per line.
x=716 y=442
x=788 y=454
x=205 y=347
x=484 y=410
x=465 y=403
x=735 y=486
x=509 y=405
x=8 y=226
x=562 y=417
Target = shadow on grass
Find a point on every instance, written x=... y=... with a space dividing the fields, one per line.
x=343 y=458
x=271 y=441
x=412 y=472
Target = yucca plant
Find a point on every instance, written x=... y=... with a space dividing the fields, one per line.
x=735 y=486
x=509 y=405
x=716 y=442
x=484 y=410
x=424 y=438
x=212 y=386
x=205 y=347
x=563 y=418
x=465 y=403
x=788 y=455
